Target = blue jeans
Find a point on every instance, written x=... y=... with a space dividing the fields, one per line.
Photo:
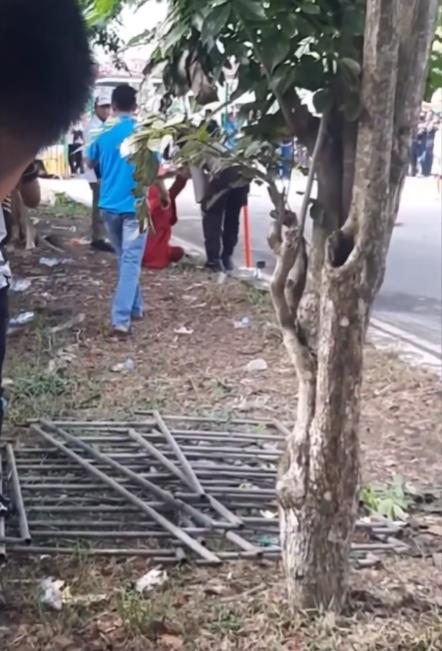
x=129 y=244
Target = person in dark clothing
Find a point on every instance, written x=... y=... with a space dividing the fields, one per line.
x=221 y=228
x=221 y=209
x=37 y=40
x=418 y=146
x=428 y=153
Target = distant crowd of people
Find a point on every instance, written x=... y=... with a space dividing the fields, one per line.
x=426 y=152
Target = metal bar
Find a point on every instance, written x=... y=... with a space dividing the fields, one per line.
x=106 y=459
x=160 y=533
x=17 y=496
x=124 y=424
x=206 y=419
x=223 y=436
x=153 y=553
x=47 y=533
x=187 y=468
x=2 y=519
x=77 y=523
x=152 y=513
x=185 y=478
x=225 y=449
x=104 y=508
x=224 y=512
x=280 y=427
x=171 y=467
x=188 y=435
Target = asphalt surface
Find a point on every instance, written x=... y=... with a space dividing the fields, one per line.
x=410 y=299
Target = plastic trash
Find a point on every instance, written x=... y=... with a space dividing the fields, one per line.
x=54 y=593
x=51 y=593
x=124 y=367
x=20 y=284
x=269 y=515
x=256 y=366
x=153 y=579
x=183 y=331
x=53 y=262
x=243 y=324
x=268 y=541
x=22 y=319
x=49 y=262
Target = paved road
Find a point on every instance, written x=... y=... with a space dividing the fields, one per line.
x=410 y=299
x=409 y=304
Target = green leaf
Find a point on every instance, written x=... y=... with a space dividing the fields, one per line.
x=215 y=22
x=351 y=65
x=275 y=51
x=309 y=73
x=99 y=10
x=143 y=38
x=284 y=77
x=312 y=10
x=322 y=100
x=350 y=71
x=251 y=10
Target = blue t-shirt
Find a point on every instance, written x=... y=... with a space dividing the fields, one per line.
x=117 y=173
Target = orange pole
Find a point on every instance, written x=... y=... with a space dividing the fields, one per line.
x=248 y=257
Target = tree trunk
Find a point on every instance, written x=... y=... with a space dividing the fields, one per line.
x=318 y=481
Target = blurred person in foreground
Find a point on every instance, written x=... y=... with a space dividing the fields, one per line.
x=96 y=126
x=48 y=68
x=117 y=203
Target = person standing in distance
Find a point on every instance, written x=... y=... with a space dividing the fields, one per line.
x=117 y=203
x=96 y=127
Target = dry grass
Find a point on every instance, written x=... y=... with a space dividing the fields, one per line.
x=394 y=609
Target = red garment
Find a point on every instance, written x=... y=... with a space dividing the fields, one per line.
x=159 y=253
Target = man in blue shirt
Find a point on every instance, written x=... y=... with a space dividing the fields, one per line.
x=118 y=207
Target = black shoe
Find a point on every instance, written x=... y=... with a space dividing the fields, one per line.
x=228 y=262
x=214 y=265
x=102 y=245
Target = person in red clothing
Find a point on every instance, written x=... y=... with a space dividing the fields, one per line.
x=159 y=253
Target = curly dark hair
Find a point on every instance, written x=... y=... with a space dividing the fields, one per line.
x=47 y=68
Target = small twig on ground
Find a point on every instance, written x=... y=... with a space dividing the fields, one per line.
x=70 y=323
x=243 y=595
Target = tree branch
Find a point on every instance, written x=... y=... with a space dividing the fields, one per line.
x=311 y=175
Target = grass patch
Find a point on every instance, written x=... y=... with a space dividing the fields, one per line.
x=151 y=617
x=257 y=297
x=225 y=621
x=43 y=394
x=64 y=206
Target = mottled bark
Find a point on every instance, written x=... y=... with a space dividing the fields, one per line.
x=318 y=480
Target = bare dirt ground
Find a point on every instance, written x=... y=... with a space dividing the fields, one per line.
x=190 y=359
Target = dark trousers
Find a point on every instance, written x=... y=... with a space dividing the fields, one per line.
x=75 y=159
x=3 y=332
x=221 y=224
x=98 y=227
x=427 y=161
